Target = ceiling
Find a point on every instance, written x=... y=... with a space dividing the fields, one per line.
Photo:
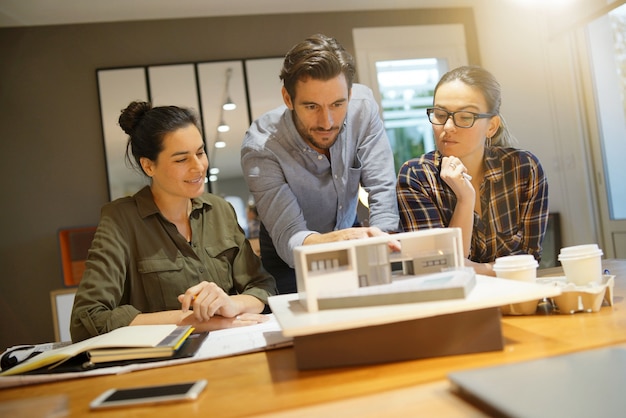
x=15 y=13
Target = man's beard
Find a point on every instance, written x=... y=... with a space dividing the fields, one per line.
x=305 y=134
x=327 y=144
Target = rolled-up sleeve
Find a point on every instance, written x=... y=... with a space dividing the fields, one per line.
x=278 y=206
x=97 y=307
x=378 y=176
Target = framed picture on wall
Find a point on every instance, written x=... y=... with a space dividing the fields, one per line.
x=62 y=301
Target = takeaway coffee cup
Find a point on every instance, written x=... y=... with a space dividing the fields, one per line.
x=521 y=268
x=516 y=267
x=582 y=264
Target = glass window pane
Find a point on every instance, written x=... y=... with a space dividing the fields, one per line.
x=406 y=90
x=609 y=66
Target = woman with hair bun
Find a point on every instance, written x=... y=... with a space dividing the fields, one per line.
x=171 y=253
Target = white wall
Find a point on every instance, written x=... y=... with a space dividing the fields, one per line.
x=523 y=44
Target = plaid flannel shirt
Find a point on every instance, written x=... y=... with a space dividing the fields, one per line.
x=514 y=202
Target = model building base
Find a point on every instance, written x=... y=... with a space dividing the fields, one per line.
x=454 y=284
x=450 y=334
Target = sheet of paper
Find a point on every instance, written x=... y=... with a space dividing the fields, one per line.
x=240 y=340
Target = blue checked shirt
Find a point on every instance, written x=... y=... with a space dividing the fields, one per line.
x=298 y=191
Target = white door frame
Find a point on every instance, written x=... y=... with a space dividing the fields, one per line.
x=406 y=42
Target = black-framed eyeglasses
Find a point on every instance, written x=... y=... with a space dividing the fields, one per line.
x=462 y=119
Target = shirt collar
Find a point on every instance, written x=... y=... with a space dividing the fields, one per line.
x=293 y=135
x=147 y=207
x=493 y=165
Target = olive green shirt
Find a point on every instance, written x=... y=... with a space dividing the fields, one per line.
x=139 y=262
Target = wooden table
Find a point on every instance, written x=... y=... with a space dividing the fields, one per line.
x=269 y=383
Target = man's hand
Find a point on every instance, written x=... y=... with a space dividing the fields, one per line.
x=351 y=233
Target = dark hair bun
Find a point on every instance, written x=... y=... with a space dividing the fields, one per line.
x=132 y=116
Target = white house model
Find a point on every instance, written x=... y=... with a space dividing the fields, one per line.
x=360 y=267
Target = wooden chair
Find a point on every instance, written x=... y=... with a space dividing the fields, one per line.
x=75 y=243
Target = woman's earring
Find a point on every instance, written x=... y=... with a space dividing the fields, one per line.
x=488 y=141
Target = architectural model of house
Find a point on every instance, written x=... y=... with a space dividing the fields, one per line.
x=366 y=272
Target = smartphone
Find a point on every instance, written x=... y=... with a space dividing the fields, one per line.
x=149 y=394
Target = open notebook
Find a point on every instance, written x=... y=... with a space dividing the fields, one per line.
x=125 y=343
x=585 y=384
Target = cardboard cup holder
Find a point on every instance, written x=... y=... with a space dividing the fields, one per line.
x=587 y=298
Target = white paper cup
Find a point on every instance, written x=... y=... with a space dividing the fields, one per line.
x=522 y=308
x=582 y=264
x=516 y=267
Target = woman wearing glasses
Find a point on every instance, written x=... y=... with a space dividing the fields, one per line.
x=475 y=180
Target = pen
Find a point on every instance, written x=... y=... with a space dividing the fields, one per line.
x=467 y=176
x=193 y=299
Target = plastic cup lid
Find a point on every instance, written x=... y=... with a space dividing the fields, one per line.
x=513 y=262
x=580 y=251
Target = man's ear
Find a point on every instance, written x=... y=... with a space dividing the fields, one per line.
x=287 y=98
